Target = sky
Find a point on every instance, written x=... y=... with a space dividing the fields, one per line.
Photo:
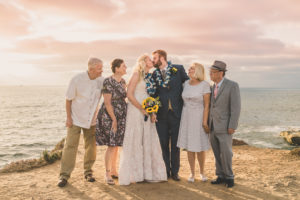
x=47 y=42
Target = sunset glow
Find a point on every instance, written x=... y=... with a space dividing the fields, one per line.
x=46 y=42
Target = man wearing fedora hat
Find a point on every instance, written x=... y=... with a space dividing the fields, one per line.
x=223 y=121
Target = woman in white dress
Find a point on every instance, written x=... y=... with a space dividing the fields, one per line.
x=141 y=158
x=193 y=131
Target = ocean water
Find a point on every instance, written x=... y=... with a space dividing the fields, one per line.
x=32 y=119
x=266 y=112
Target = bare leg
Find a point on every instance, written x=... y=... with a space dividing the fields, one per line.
x=114 y=162
x=201 y=161
x=191 y=159
x=108 y=163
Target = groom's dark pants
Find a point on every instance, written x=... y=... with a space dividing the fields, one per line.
x=167 y=129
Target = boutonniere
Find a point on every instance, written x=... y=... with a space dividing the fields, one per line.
x=174 y=70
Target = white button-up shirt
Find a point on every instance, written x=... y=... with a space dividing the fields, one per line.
x=165 y=68
x=85 y=95
x=220 y=83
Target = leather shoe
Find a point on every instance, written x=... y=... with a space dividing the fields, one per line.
x=175 y=177
x=90 y=178
x=62 y=183
x=218 y=181
x=229 y=183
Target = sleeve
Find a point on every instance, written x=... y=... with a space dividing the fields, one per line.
x=183 y=85
x=235 y=106
x=71 y=91
x=107 y=87
x=206 y=88
x=150 y=84
x=100 y=83
x=184 y=76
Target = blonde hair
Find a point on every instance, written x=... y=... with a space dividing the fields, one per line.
x=140 y=66
x=199 y=71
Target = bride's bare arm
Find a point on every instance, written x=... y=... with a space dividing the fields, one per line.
x=130 y=92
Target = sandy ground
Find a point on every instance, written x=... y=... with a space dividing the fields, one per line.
x=260 y=174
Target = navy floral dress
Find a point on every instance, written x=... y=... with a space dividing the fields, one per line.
x=104 y=133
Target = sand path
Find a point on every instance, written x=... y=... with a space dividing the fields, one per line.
x=260 y=174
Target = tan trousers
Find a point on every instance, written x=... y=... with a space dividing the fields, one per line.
x=71 y=147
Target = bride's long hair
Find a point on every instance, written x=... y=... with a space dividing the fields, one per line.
x=140 y=66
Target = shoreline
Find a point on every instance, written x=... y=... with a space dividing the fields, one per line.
x=30 y=164
x=259 y=174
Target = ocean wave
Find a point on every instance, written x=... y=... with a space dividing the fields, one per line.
x=265 y=144
x=264 y=129
x=31 y=145
x=18 y=155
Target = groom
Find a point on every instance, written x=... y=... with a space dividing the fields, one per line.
x=167 y=80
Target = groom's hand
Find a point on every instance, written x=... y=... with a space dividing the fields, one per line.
x=153 y=118
x=144 y=112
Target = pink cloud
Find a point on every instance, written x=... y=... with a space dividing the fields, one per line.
x=12 y=21
x=89 y=9
x=189 y=30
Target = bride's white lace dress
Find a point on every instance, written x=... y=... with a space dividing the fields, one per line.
x=141 y=157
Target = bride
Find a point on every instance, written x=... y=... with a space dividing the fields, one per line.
x=141 y=158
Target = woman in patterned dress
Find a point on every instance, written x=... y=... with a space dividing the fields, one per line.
x=112 y=117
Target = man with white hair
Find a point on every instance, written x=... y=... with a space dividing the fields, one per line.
x=82 y=99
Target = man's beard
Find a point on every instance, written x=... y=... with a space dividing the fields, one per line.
x=156 y=65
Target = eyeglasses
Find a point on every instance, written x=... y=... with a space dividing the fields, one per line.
x=213 y=72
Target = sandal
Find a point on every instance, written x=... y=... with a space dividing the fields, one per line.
x=109 y=179
x=203 y=177
x=114 y=176
x=191 y=179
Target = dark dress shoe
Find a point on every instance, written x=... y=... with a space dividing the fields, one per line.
x=218 y=181
x=62 y=183
x=175 y=177
x=229 y=183
x=90 y=178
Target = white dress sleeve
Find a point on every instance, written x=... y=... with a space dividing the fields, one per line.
x=206 y=88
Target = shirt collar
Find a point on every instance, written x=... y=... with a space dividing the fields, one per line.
x=220 y=83
x=87 y=75
x=166 y=67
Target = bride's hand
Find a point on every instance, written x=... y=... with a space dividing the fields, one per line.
x=144 y=112
x=153 y=118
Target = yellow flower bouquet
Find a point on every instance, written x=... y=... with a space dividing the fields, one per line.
x=151 y=105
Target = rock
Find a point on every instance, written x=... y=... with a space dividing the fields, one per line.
x=26 y=165
x=291 y=136
x=236 y=142
x=295 y=152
